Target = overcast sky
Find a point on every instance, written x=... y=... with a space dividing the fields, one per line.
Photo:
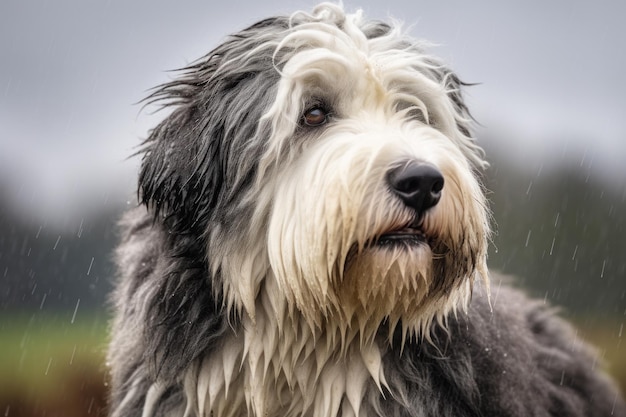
x=551 y=75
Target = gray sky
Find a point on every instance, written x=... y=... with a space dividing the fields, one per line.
x=71 y=70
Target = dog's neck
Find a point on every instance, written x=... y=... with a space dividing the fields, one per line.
x=276 y=365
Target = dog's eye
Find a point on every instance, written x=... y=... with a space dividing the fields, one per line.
x=315 y=116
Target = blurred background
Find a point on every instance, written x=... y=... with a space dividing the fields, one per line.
x=550 y=98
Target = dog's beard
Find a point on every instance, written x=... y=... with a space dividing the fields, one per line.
x=307 y=247
x=348 y=254
x=320 y=209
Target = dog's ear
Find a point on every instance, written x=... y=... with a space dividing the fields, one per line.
x=193 y=161
x=181 y=172
x=197 y=163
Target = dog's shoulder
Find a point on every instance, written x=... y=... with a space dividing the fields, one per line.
x=508 y=355
x=167 y=313
x=532 y=359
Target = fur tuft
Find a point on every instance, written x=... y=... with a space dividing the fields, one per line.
x=311 y=240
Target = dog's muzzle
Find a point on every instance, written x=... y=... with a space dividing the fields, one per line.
x=418 y=185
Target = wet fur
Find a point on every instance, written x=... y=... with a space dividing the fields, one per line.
x=207 y=323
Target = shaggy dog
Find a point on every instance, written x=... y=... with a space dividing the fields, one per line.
x=313 y=240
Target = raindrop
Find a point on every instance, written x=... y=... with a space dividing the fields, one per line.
x=528 y=237
x=75 y=310
x=552 y=247
x=73 y=353
x=90 y=265
x=574 y=254
x=603 y=265
x=80 y=229
x=556 y=221
x=530 y=185
x=56 y=243
x=48 y=367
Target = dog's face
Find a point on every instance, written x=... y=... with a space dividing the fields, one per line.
x=331 y=157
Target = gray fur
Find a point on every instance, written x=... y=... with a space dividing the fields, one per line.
x=519 y=360
x=196 y=192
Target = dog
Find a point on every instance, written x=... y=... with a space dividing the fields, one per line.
x=311 y=240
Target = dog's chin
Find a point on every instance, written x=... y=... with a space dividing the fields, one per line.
x=387 y=279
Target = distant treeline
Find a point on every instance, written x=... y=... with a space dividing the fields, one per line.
x=50 y=268
x=561 y=232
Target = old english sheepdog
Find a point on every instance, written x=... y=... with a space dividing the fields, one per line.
x=312 y=241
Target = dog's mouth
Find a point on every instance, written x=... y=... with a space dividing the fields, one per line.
x=408 y=235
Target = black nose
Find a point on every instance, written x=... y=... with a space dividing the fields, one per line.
x=418 y=185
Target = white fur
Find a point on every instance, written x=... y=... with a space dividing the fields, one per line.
x=310 y=290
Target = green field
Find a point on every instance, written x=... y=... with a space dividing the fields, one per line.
x=53 y=366
x=608 y=336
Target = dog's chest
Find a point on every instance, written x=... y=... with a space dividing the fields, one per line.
x=267 y=372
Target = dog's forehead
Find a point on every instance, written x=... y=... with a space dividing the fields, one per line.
x=366 y=71
x=353 y=72
x=324 y=54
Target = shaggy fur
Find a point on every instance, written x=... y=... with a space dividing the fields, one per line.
x=289 y=260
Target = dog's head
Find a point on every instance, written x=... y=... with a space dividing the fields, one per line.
x=325 y=162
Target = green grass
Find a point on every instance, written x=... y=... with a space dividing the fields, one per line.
x=48 y=361
x=609 y=339
x=52 y=366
